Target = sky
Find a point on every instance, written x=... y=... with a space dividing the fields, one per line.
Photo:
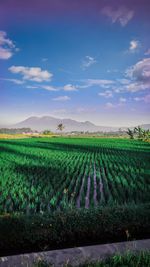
x=78 y=59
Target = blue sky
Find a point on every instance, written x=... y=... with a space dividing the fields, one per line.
x=87 y=63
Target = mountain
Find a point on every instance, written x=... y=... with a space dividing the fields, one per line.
x=51 y=123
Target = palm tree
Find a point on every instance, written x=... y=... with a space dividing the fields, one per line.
x=146 y=134
x=60 y=127
x=139 y=131
x=130 y=133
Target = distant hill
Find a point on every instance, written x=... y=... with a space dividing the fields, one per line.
x=48 y=122
x=51 y=123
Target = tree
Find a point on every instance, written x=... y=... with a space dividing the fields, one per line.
x=146 y=134
x=130 y=133
x=60 y=127
x=47 y=132
x=139 y=132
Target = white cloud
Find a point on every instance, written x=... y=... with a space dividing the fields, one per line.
x=139 y=75
x=134 y=45
x=49 y=88
x=109 y=105
x=136 y=78
x=121 y=103
x=121 y=14
x=138 y=98
x=137 y=86
x=88 y=61
x=122 y=100
x=147 y=53
x=118 y=90
x=62 y=98
x=123 y=81
x=146 y=98
x=44 y=59
x=31 y=87
x=7 y=47
x=5 y=41
x=45 y=87
x=5 y=53
x=99 y=82
x=69 y=87
x=141 y=70
x=106 y=94
x=32 y=73
x=16 y=81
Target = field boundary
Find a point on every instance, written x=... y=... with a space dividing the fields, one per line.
x=75 y=256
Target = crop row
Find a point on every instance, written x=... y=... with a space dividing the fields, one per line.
x=39 y=175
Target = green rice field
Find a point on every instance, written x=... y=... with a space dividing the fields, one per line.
x=40 y=175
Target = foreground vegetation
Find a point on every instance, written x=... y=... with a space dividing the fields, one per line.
x=141 y=259
x=60 y=192
x=60 y=229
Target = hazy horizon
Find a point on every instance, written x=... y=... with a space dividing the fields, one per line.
x=78 y=120
x=82 y=60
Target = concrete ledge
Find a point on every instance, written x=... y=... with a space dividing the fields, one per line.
x=75 y=256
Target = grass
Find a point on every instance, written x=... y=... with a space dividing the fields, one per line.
x=129 y=259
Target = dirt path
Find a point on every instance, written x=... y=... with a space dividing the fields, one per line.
x=95 y=187
x=87 y=201
x=80 y=193
x=101 y=189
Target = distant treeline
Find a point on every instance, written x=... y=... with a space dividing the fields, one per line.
x=102 y=133
x=15 y=130
x=49 y=132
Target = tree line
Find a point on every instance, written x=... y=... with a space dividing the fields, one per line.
x=15 y=130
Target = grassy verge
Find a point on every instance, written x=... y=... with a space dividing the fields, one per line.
x=21 y=233
x=129 y=259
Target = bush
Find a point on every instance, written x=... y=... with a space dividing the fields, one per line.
x=22 y=233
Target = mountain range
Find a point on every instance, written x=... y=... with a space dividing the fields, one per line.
x=51 y=123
